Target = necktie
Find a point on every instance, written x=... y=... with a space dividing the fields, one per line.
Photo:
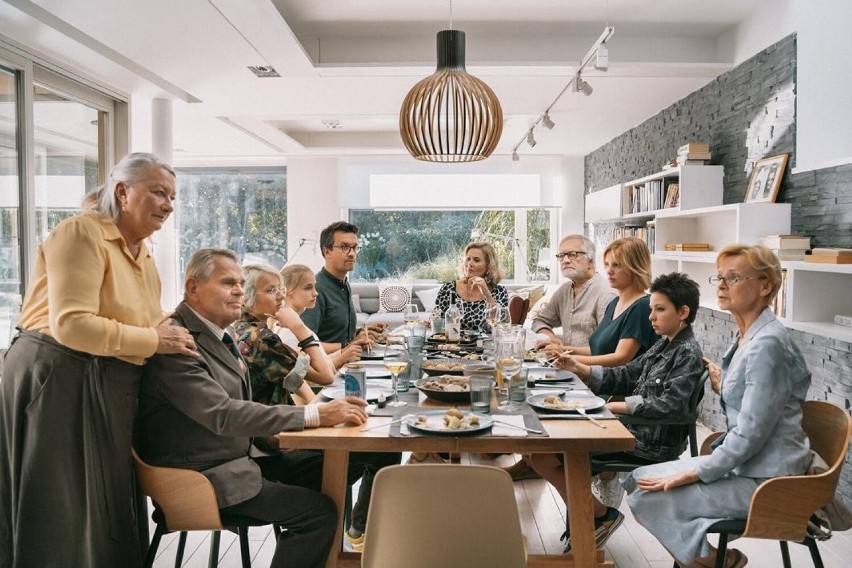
x=229 y=343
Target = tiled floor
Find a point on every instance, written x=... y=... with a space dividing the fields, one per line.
x=543 y=519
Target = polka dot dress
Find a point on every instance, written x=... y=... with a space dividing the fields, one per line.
x=474 y=312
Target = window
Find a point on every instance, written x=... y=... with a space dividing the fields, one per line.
x=244 y=210
x=10 y=224
x=423 y=244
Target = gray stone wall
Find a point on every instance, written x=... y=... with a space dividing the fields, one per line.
x=746 y=114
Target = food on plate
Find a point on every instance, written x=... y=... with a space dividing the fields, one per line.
x=447 y=383
x=443 y=366
x=455 y=419
x=553 y=401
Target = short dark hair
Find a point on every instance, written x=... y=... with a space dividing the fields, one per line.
x=681 y=290
x=327 y=234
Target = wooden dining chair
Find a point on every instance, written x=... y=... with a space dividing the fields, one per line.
x=185 y=501
x=518 y=308
x=782 y=506
x=443 y=515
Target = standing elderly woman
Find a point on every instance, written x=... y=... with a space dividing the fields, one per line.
x=68 y=396
x=625 y=331
x=478 y=288
x=277 y=370
x=763 y=383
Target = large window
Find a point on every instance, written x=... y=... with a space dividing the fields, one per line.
x=10 y=226
x=244 y=210
x=422 y=244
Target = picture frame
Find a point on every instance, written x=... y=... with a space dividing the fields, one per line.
x=765 y=179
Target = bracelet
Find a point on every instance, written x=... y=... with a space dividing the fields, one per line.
x=307 y=342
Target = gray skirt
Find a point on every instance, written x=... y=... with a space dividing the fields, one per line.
x=67 y=496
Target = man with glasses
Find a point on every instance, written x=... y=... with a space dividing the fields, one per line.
x=333 y=319
x=578 y=305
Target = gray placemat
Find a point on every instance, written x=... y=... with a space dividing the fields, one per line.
x=602 y=414
x=412 y=397
x=531 y=420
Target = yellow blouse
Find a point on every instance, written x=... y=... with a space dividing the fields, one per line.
x=90 y=294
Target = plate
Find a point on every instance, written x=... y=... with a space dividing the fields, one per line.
x=434 y=367
x=441 y=395
x=550 y=375
x=435 y=423
x=374 y=389
x=588 y=400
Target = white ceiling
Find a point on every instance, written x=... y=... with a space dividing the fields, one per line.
x=351 y=62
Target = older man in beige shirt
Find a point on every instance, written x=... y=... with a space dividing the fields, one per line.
x=577 y=306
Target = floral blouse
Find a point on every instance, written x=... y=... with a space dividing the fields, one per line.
x=273 y=366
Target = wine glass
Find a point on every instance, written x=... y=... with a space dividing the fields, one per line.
x=410 y=315
x=497 y=315
x=395 y=362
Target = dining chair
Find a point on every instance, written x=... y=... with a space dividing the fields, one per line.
x=518 y=308
x=185 y=501
x=781 y=507
x=443 y=515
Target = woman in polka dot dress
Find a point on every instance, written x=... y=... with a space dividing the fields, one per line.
x=477 y=288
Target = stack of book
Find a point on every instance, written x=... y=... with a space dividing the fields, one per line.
x=787 y=247
x=687 y=247
x=830 y=256
x=843 y=320
x=694 y=153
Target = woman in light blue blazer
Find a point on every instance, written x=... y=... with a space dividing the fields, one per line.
x=763 y=383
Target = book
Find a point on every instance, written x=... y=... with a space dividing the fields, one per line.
x=694 y=156
x=672 y=195
x=685 y=162
x=786 y=242
x=843 y=320
x=833 y=251
x=779 y=304
x=694 y=147
x=828 y=259
x=693 y=247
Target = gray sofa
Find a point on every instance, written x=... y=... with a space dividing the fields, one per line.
x=368 y=301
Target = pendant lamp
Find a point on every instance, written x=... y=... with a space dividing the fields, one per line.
x=451 y=116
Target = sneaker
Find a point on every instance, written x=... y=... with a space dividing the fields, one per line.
x=610 y=492
x=356 y=543
x=604 y=527
x=521 y=471
x=428 y=458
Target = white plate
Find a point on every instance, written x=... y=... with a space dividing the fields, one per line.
x=374 y=389
x=435 y=423
x=587 y=399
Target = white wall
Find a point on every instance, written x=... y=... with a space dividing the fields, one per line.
x=773 y=21
x=824 y=81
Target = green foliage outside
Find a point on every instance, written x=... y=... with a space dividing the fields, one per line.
x=245 y=211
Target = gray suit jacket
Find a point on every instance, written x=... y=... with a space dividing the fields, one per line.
x=764 y=385
x=198 y=414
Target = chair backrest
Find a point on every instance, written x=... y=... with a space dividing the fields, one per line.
x=443 y=515
x=697 y=395
x=185 y=496
x=781 y=507
x=518 y=308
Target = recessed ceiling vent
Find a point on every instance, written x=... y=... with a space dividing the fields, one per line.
x=263 y=71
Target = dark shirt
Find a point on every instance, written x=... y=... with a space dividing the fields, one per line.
x=333 y=319
x=632 y=323
x=657 y=385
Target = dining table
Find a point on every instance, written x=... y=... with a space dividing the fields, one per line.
x=574 y=439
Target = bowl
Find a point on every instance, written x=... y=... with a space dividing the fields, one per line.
x=442 y=395
x=480 y=369
x=435 y=367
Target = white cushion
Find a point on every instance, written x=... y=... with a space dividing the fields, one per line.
x=356 y=302
x=428 y=298
x=393 y=296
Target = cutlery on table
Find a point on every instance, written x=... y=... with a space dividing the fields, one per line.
x=391 y=423
x=592 y=420
x=531 y=430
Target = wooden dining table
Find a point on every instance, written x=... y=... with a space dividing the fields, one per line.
x=575 y=439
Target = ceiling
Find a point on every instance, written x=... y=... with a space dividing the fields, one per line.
x=346 y=65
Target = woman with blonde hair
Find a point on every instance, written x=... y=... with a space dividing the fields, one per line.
x=301 y=294
x=478 y=287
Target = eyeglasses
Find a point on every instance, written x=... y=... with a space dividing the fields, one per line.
x=732 y=279
x=345 y=249
x=274 y=291
x=572 y=255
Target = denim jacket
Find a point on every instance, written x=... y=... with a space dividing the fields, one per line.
x=659 y=384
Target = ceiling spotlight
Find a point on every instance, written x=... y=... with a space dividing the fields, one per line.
x=515 y=157
x=581 y=86
x=602 y=58
x=547 y=122
x=531 y=139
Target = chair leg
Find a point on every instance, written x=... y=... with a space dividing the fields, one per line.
x=722 y=550
x=180 y=549
x=815 y=556
x=213 y=559
x=244 y=547
x=785 y=553
x=155 y=544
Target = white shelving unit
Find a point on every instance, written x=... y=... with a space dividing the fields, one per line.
x=815 y=294
x=700 y=186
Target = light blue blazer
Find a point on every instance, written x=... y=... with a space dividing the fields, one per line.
x=764 y=384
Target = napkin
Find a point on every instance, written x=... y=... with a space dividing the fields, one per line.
x=499 y=429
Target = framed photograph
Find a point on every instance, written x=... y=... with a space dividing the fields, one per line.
x=766 y=179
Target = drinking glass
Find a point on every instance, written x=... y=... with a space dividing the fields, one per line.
x=510 y=357
x=497 y=315
x=480 y=393
x=410 y=314
x=396 y=361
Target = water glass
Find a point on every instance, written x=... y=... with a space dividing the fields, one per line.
x=480 y=393
x=437 y=323
x=415 y=343
x=518 y=386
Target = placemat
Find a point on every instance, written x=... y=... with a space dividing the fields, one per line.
x=531 y=420
x=412 y=397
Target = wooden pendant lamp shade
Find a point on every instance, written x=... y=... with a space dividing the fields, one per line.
x=451 y=116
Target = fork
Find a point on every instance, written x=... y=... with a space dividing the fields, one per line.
x=592 y=420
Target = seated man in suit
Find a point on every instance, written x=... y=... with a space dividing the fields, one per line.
x=197 y=413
